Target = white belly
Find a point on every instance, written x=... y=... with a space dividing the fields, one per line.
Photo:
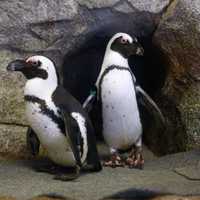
x=50 y=136
x=121 y=122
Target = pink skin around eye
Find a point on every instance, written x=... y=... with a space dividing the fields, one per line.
x=31 y=61
x=123 y=41
x=27 y=60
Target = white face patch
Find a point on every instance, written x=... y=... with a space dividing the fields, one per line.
x=42 y=88
x=125 y=36
x=46 y=63
x=82 y=127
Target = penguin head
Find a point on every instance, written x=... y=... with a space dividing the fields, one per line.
x=125 y=45
x=35 y=67
x=118 y=50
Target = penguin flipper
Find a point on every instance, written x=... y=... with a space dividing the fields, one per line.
x=32 y=142
x=77 y=142
x=149 y=103
x=91 y=99
x=73 y=134
x=93 y=159
x=70 y=108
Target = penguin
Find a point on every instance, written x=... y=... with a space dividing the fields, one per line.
x=57 y=120
x=118 y=93
x=32 y=142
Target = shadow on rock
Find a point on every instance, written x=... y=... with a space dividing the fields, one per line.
x=135 y=194
x=51 y=197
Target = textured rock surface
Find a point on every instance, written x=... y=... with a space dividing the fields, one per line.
x=176 y=197
x=149 y=6
x=120 y=183
x=178 y=37
x=164 y=197
x=51 y=197
x=97 y=4
x=11 y=93
x=7 y=198
x=13 y=142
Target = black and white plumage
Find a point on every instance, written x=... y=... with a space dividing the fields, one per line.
x=118 y=94
x=56 y=118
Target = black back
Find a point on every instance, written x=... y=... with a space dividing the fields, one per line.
x=68 y=104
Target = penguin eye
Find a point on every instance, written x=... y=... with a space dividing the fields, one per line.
x=35 y=63
x=123 y=41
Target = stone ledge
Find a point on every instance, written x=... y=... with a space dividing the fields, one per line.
x=13 y=142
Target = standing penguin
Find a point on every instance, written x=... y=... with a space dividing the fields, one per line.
x=56 y=118
x=118 y=93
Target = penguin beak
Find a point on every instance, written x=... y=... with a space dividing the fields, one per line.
x=140 y=51
x=16 y=65
x=136 y=49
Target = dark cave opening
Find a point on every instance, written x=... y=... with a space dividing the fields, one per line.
x=81 y=68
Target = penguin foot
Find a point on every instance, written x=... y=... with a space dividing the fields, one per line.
x=61 y=173
x=135 y=159
x=47 y=169
x=115 y=161
x=92 y=168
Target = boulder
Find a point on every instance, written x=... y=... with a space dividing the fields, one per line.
x=11 y=92
x=177 y=37
x=13 y=142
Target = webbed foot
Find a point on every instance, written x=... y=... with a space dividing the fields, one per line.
x=115 y=161
x=135 y=158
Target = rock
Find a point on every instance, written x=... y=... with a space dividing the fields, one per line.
x=151 y=6
x=22 y=13
x=177 y=37
x=7 y=198
x=98 y=4
x=175 y=162
x=164 y=197
x=191 y=173
x=50 y=197
x=11 y=92
x=118 y=183
x=175 y=197
x=13 y=142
